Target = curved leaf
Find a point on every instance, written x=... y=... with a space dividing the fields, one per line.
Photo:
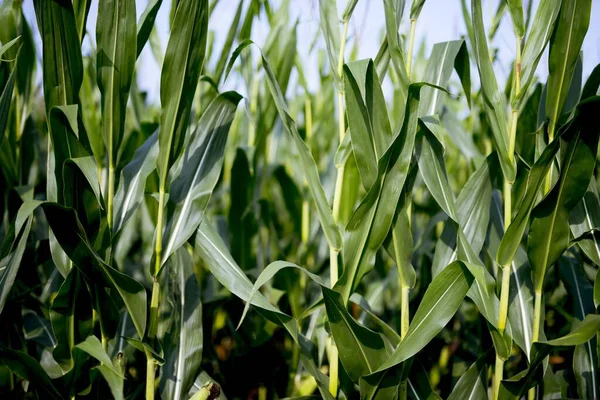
x=549 y=232
x=195 y=174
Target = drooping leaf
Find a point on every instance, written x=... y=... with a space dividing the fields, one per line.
x=72 y=238
x=518 y=385
x=26 y=367
x=584 y=218
x=361 y=350
x=113 y=376
x=549 y=231
x=71 y=317
x=440 y=302
x=219 y=261
x=512 y=238
x=10 y=263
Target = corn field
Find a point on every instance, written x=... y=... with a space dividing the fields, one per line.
x=413 y=225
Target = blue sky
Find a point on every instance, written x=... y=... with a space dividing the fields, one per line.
x=440 y=20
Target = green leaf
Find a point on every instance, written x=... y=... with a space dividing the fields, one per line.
x=473 y=383
x=440 y=302
x=370 y=223
x=348 y=10
x=81 y=9
x=517 y=386
x=521 y=296
x=444 y=57
x=368 y=120
x=195 y=174
x=71 y=317
x=306 y=161
x=109 y=371
x=115 y=63
x=393 y=14
x=5 y=100
x=494 y=103
x=549 y=231
x=585 y=358
x=213 y=251
x=584 y=218
x=361 y=350
x=6 y=47
x=132 y=183
x=183 y=347
x=29 y=369
x=537 y=39
x=515 y=7
x=10 y=263
x=87 y=166
x=181 y=69
x=72 y=238
x=592 y=84
x=433 y=170
x=565 y=44
x=267 y=274
x=61 y=62
x=512 y=238
x=228 y=43
x=146 y=24
x=331 y=32
x=415 y=8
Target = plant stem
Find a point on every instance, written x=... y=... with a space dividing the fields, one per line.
x=405 y=316
x=537 y=316
x=411 y=43
x=111 y=193
x=337 y=199
x=150 y=372
x=153 y=323
x=507 y=193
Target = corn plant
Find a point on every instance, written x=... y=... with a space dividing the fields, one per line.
x=409 y=225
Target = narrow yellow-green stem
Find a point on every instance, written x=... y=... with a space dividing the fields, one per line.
x=405 y=316
x=411 y=44
x=153 y=322
x=537 y=315
x=111 y=192
x=507 y=194
x=337 y=198
x=150 y=372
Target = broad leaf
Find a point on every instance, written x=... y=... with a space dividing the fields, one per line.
x=195 y=174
